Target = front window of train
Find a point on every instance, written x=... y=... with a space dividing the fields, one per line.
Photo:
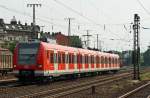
x=27 y=53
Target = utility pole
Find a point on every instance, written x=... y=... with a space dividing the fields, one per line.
x=69 y=28
x=34 y=23
x=87 y=37
x=97 y=42
x=136 y=51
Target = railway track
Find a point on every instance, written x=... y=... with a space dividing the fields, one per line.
x=60 y=88
x=15 y=89
x=12 y=82
x=58 y=92
x=141 y=91
x=74 y=88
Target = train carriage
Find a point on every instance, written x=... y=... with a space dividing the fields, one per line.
x=40 y=59
x=6 y=62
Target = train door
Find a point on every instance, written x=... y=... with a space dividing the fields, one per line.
x=79 y=60
x=109 y=62
x=115 y=62
x=55 y=61
x=50 y=56
x=92 y=61
x=105 y=64
x=97 y=62
x=71 y=61
x=102 y=62
x=86 y=62
x=67 y=61
x=61 y=61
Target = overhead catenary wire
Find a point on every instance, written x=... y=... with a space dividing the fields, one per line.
x=143 y=7
x=48 y=21
x=27 y=14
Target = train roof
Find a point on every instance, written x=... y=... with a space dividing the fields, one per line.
x=59 y=47
x=49 y=46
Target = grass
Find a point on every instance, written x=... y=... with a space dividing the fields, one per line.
x=145 y=76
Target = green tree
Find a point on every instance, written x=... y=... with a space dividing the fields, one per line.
x=11 y=46
x=75 y=41
x=146 y=57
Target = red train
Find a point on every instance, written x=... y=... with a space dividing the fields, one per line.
x=44 y=60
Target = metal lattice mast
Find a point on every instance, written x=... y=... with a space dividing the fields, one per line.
x=34 y=23
x=136 y=47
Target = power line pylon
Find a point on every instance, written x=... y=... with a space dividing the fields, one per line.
x=87 y=37
x=35 y=36
x=136 y=47
x=69 y=28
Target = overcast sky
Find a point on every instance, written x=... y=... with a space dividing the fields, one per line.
x=109 y=18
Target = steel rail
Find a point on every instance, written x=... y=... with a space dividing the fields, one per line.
x=110 y=79
x=134 y=91
x=78 y=89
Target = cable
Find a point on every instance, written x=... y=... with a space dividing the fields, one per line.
x=143 y=7
x=71 y=9
x=27 y=14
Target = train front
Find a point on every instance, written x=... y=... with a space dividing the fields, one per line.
x=26 y=60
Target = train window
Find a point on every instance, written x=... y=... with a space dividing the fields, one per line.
x=72 y=59
x=66 y=58
x=89 y=59
x=118 y=61
x=103 y=60
x=55 y=57
x=75 y=58
x=51 y=57
x=47 y=54
x=59 y=58
x=63 y=58
x=81 y=59
x=78 y=58
x=92 y=59
x=86 y=57
x=97 y=59
x=27 y=53
x=110 y=61
x=115 y=60
x=106 y=60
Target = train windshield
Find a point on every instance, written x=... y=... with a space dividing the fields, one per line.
x=27 y=53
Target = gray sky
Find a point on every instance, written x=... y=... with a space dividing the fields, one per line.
x=116 y=15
